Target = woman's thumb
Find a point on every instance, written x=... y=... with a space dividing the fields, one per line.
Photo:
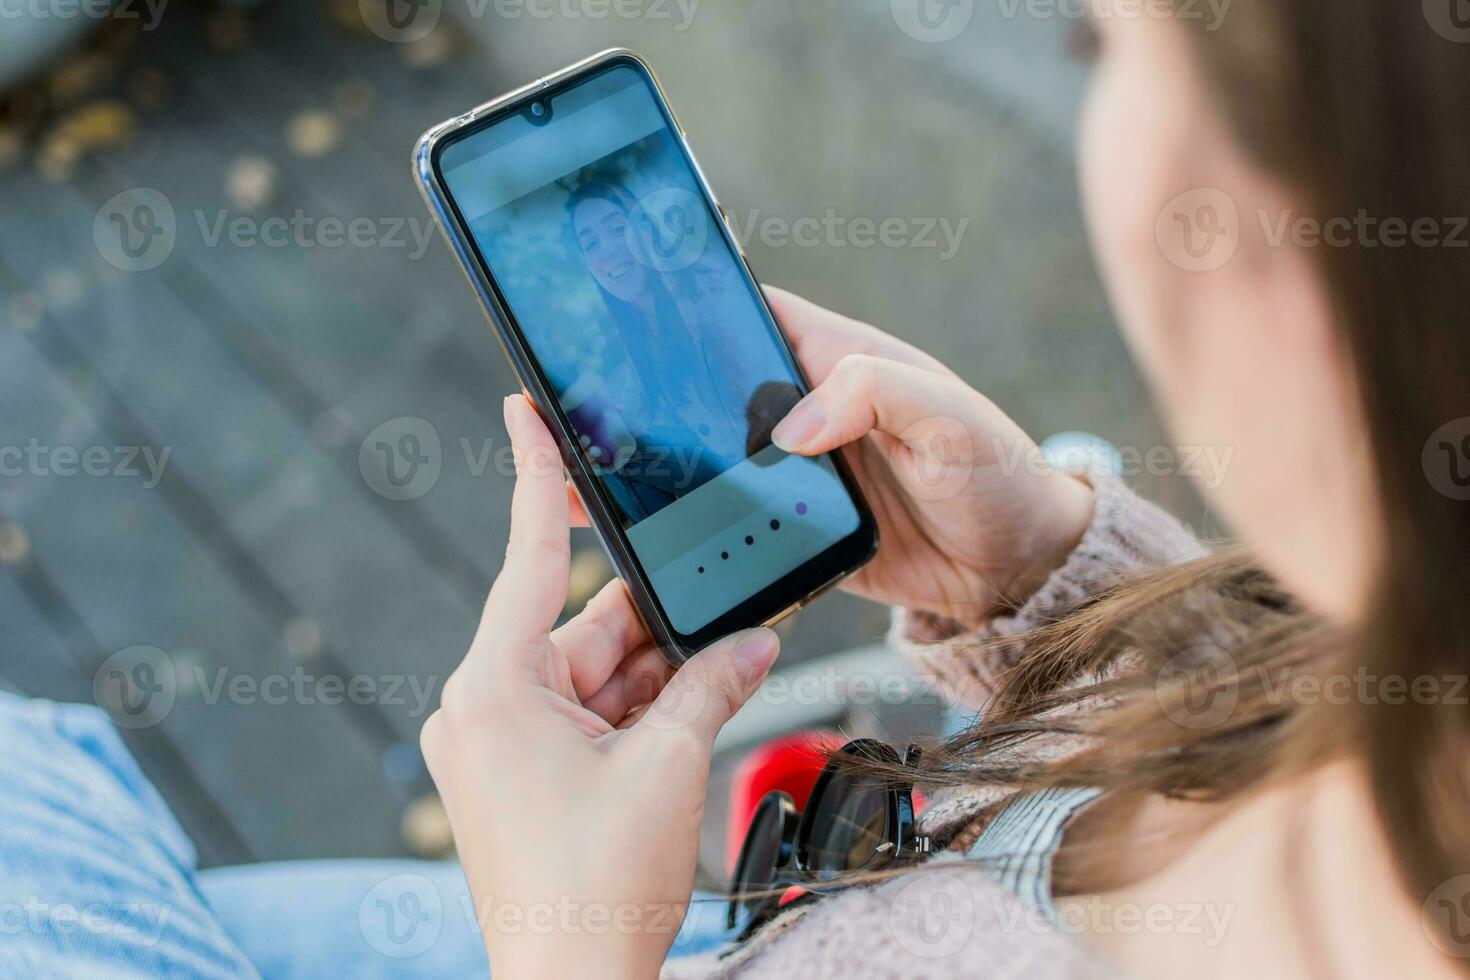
x=713 y=685
x=864 y=393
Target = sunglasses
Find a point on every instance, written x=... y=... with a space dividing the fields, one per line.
x=852 y=822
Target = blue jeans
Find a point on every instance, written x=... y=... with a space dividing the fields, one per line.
x=97 y=879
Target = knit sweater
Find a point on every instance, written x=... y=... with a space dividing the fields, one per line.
x=948 y=918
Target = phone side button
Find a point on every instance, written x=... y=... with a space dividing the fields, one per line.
x=730 y=227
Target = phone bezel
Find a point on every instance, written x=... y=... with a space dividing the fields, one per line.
x=769 y=605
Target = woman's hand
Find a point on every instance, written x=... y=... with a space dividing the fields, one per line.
x=970 y=517
x=573 y=761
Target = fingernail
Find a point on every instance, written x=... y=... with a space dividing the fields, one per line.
x=803 y=424
x=756 y=650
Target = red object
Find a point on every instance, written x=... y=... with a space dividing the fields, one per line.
x=791 y=894
x=790 y=764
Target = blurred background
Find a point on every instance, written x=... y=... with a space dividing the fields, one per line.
x=220 y=291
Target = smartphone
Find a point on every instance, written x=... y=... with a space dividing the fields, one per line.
x=626 y=306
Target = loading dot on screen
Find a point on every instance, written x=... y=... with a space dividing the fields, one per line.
x=775 y=524
x=701 y=569
x=800 y=510
x=725 y=555
x=749 y=539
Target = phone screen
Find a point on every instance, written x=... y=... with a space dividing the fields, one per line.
x=622 y=282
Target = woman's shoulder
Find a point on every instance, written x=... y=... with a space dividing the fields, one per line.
x=946 y=919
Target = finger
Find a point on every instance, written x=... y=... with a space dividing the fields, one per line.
x=531 y=590
x=711 y=687
x=636 y=683
x=867 y=394
x=600 y=637
x=576 y=513
x=821 y=337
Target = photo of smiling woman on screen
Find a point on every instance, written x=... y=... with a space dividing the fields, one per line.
x=693 y=424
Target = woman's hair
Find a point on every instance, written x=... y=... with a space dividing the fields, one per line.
x=1355 y=108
